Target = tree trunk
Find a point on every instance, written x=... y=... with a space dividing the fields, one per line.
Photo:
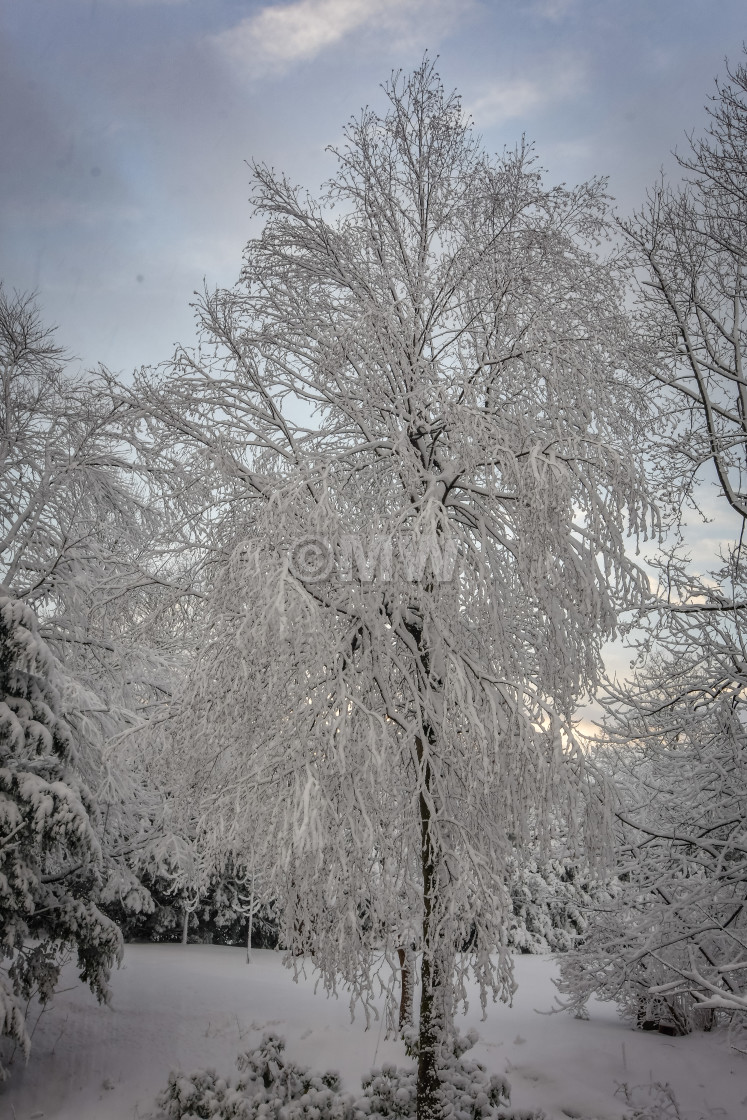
x=435 y=984
x=251 y=924
x=430 y=1038
x=405 y=1002
x=185 y=926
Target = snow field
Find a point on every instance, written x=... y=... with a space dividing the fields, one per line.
x=201 y=1005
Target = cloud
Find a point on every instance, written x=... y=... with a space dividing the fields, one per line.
x=140 y=3
x=504 y=100
x=279 y=35
x=509 y=98
x=555 y=10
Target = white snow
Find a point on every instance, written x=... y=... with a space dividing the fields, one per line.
x=200 y=1005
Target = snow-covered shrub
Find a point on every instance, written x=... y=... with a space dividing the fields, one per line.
x=468 y=1091
x=201 y=1094
x=49 y=854
x=273 y=1088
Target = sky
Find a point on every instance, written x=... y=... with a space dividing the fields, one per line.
x=127 y=126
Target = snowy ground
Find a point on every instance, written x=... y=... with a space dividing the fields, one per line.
x=201 y=1005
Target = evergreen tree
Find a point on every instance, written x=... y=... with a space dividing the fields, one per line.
x=50 y=857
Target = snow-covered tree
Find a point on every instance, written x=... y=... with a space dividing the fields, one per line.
x=431 y=360
x=50 y=857
x=90 y=539
x=673 y=949
x=671 y=946
x=692 y=241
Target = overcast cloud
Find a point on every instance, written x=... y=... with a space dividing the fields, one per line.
x=125 y=125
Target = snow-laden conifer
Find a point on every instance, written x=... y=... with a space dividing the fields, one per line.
x=50 y=857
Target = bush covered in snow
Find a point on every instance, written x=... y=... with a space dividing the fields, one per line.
x=273 y=1088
